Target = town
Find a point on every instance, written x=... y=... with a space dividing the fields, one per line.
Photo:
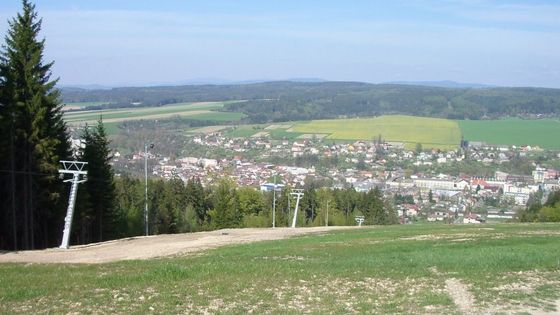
x=414 y=178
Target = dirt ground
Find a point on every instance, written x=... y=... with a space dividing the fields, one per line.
x=145 y=247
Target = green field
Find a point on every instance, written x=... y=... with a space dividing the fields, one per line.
x=199 y=111
x=244 y=131
x=413 y=269
x=513 y=131
x=430 y=132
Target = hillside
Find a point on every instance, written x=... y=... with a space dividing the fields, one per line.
x=412 y=269
x=289 y=101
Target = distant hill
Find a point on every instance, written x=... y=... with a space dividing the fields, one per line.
x=79 y=87
x=196 y=81
x=444 y=84
x=288 y=100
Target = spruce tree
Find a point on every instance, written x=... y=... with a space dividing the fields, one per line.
x=225 y=213
x=31 y=117
x=99 y=210
x=195 y=196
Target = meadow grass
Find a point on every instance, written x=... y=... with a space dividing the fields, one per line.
x=513 y=131
x=430 y=132
x=384 y=270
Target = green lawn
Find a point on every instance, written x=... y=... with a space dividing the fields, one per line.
x=412 y=269
x=513 y=131
x=430 y=132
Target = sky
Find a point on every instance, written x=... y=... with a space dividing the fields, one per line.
x=135 y=42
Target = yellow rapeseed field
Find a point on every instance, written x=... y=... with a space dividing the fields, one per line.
x=430 y=132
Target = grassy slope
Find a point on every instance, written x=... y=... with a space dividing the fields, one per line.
x=398 y=269
x=431 y=132
x=513 y=131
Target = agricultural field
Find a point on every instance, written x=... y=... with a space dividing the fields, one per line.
x=207 y=129
x=430 y=132
x=244 y=131
x=513 y=131
x=274 y=131
x=199 y=111
x=80 y=105
x=405 y=269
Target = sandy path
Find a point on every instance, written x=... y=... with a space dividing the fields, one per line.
x=155 y=246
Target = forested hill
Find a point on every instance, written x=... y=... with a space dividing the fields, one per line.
x=281 y=101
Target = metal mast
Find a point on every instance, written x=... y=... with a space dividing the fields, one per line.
x=327 y=218
x=146 y=187
x=298 y=193
x=151 y=146
x=76 y=169
x=274 y=204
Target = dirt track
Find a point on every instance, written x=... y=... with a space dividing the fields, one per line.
x=146 y=247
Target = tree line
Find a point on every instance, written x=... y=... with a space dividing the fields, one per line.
x=290 y=101
x=178 y=207
x=536 y=211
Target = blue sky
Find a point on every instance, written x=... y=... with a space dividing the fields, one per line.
x=506 y=43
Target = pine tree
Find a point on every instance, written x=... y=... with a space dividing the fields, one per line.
x=32 y=112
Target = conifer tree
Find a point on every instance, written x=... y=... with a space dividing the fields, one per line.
x=31 y=115
x=225 y=213
x=98 y=212
x=195 y=196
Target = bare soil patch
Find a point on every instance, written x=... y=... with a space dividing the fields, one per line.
x=146 y=247
x=460 y=294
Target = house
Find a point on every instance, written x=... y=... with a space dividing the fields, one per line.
x=473 y=218
x=519 y=193
x=461 y=184
x=271 y=186
x=411 y=210
x=206 y=163
x=437 y=216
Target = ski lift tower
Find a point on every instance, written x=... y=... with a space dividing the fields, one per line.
x=76 y=169
x=298 y=193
